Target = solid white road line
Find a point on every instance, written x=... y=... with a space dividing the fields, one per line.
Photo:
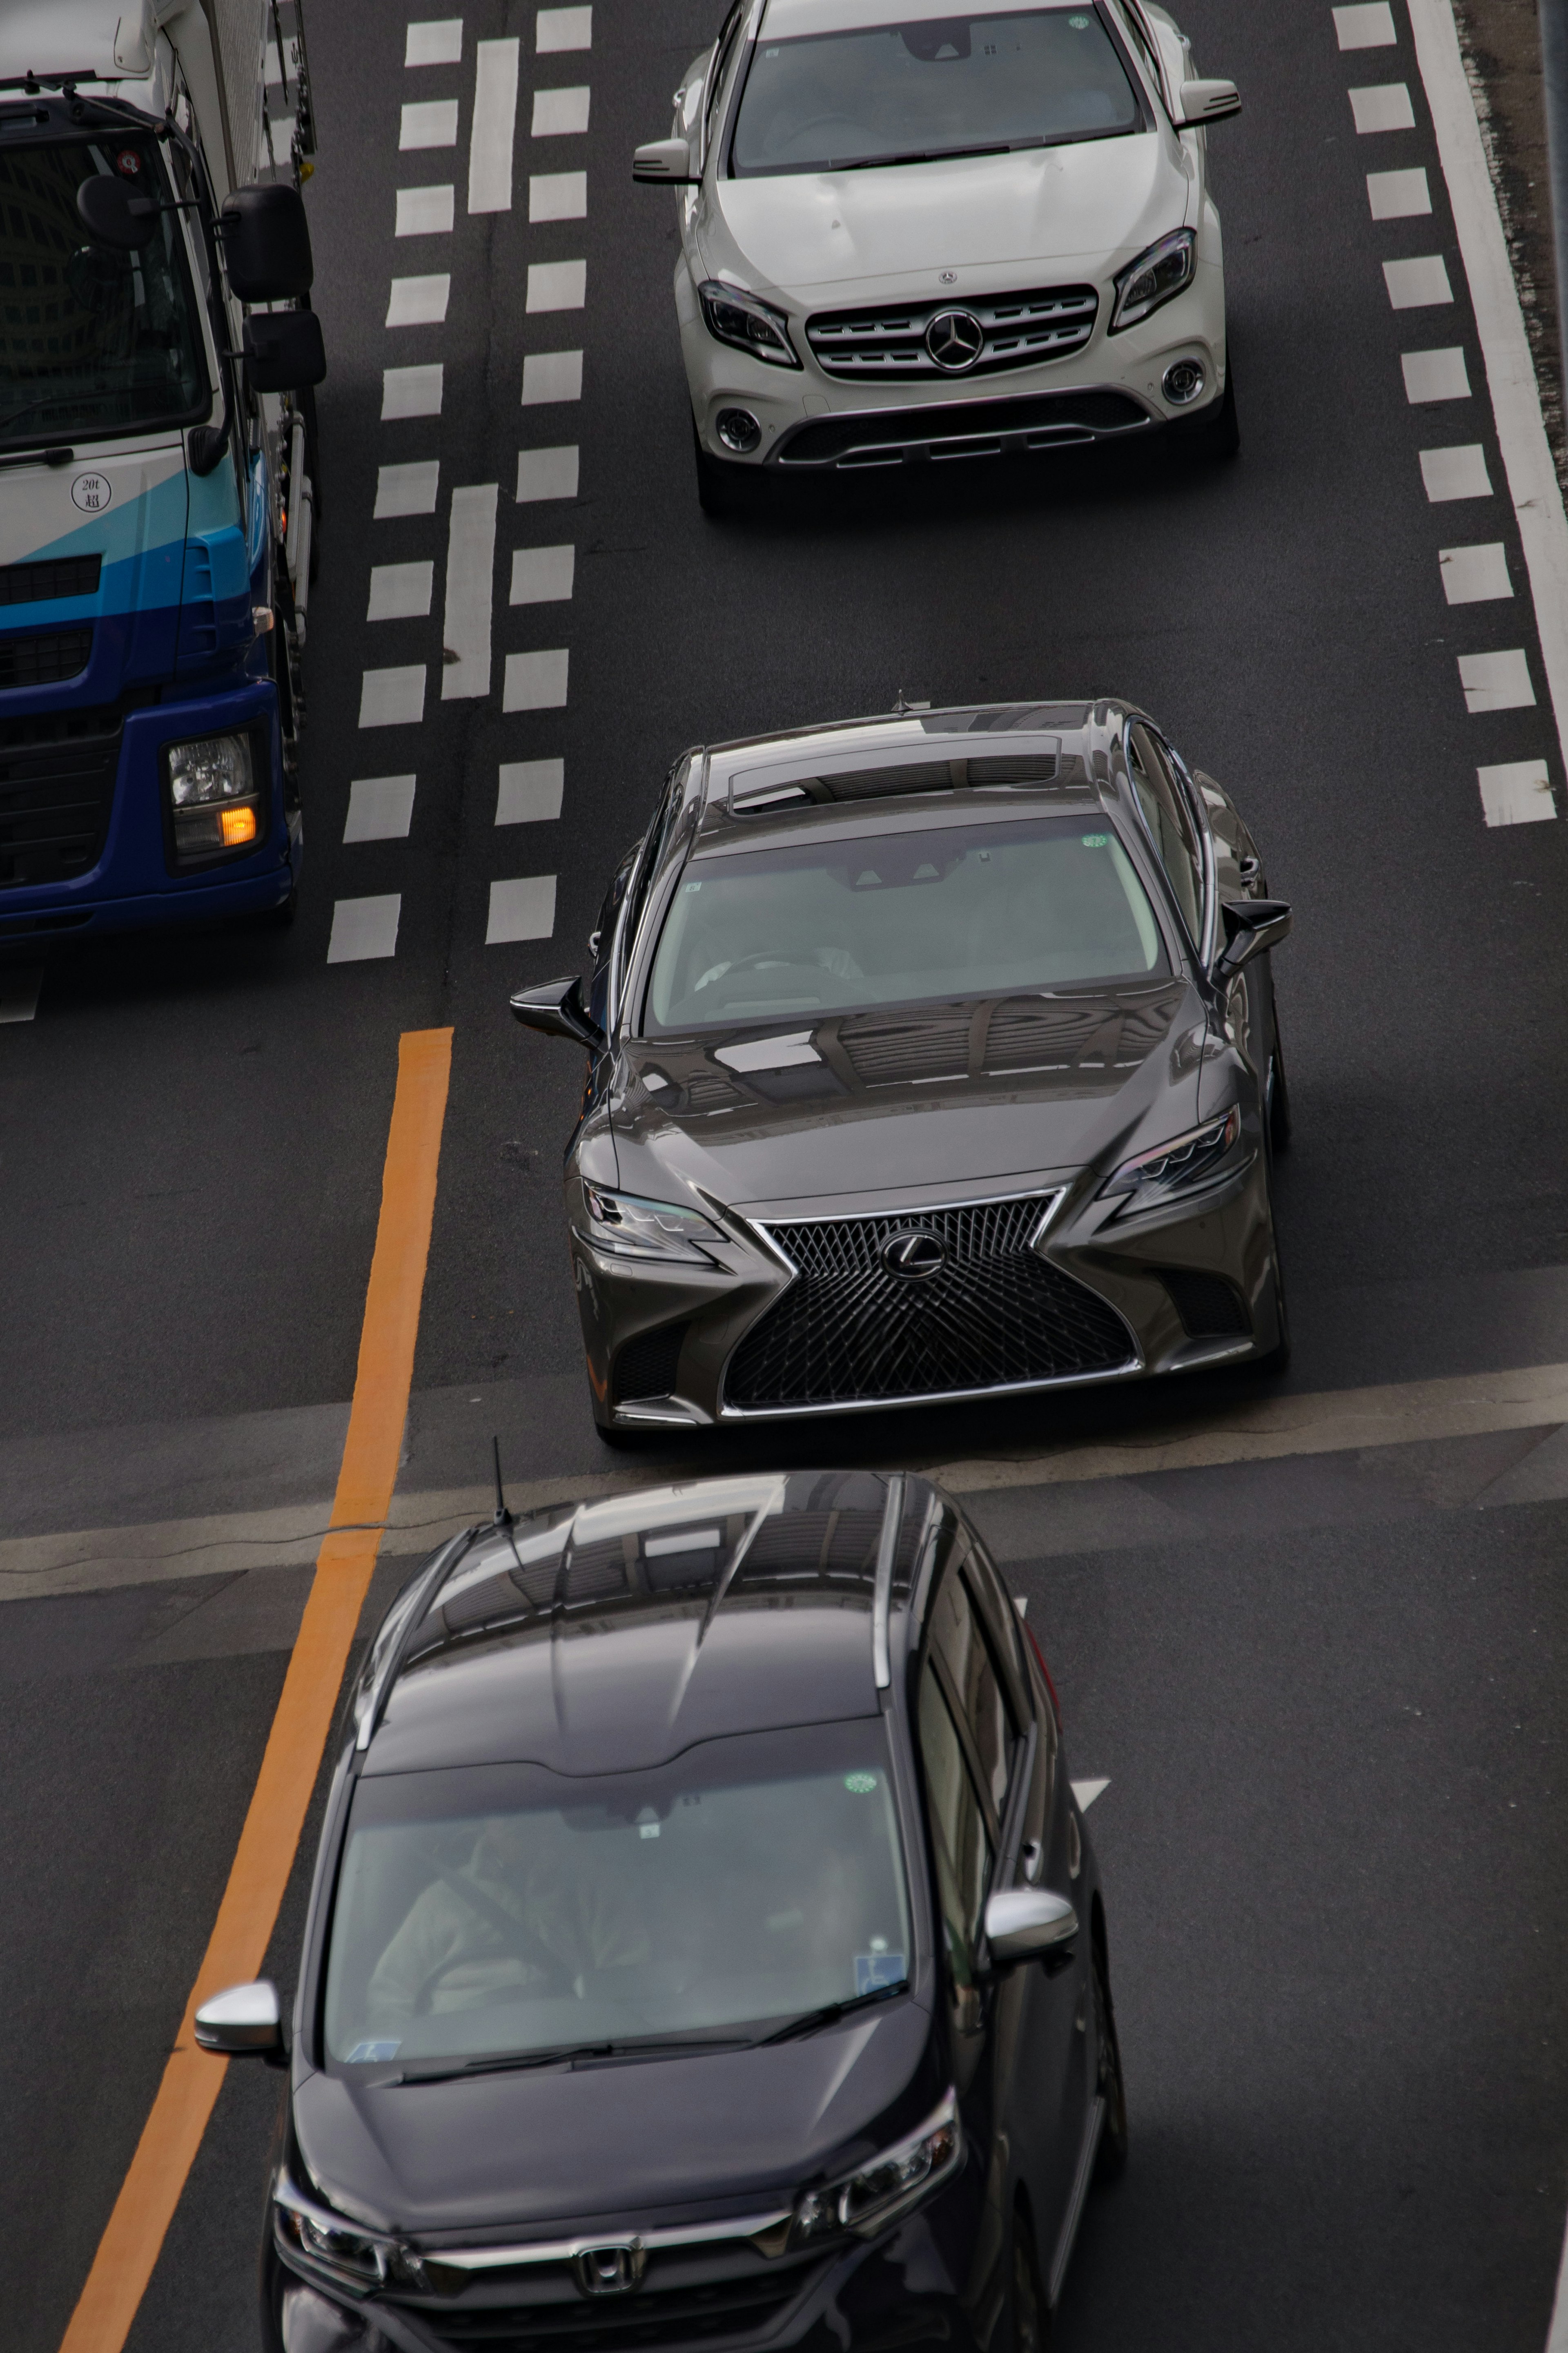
x=1557 y=2335
x=557 y=285
x=407 y=489
x=1384 y=107
x=531 y=791
x=411 y=392
x=1370 y=28
x=439 y=41
x=1085 y=1792
x=428 y=122
x=1398 y=196
x=19 y=987
x=1474 y=575
x=1457 y=473
x=495 y=128
x=1500 y=323
x=523 y=910
x=536 y=681
x=1497 y=682
x=547 y=473
x=563 y=28
x=470 y=593
x=1436 y=375
x=363 y=928
x=1517 y=793
x=381 y=808
x=560 y=113
x=425 y=212
x=419 y=302
x=401 y=592
x=1419 y=284
x=392 y=698
x=558 y=195
x=552 y=375
x=542 y=575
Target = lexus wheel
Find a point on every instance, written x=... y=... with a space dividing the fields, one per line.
x=1279 y=1103
x=1111 y=2159
x=1031 y=2321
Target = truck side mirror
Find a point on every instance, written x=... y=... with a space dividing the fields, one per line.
x=113 y=217
x=283 y=349
x=267 y=245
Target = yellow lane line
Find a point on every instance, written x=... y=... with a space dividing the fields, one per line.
x=192 y=2080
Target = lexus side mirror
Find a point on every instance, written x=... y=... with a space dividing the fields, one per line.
x=667 y=161
x=267 y=243
x=243 y=2022
x=112 y=215
x=1203 y=102
x=1250 y=926
x=1022 y=1922
x=557 y=1010
x=284 y=350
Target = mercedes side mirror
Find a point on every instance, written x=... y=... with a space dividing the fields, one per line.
x=1251 y=926
x=1022 y=1922
x=557 y=1010
x=267 y=245
x=243 y=2022
x=1203 y=102
x=284 y=350
x=113 y=215
x=668 y=161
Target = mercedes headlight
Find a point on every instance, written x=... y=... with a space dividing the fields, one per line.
x=1187 y=1162
x=875 y=2196
x=1153 y=279
x=632 y=1227
x=214 y=800
x=733 y=316
x=354 y=2258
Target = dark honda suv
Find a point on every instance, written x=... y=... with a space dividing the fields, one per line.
x=705 y=1948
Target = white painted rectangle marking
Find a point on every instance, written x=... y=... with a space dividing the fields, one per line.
x=470 y=593
x=1366 y=27
x=552 y=375
x=436 y=41
x=558 y=195
x=522 y=910
x=419 y=302
x=407 y=489
x=1435 y=376
x=1497 y=682
x=363 y=928
x=547 y=473
x=1385 y=107
x=560 y=113
x=557 y=285
x=19 y=987
x=1457 y=473
x=1517 y=793
x=530 y=791
x=1417 y=285
x=1398 y=196
x=425 y=212
x=542 y=575
x=381 y=808
x=428 y=122
x=401 y=592
x=1085 y=1792
x=1474 y=575
x=495 y=128
x=563 y=28
x=392 y=698
x=410 y=391
x=535 y=681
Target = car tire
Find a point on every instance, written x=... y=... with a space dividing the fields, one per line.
x=1277 y=1357
x=1217 y=434
x=1028 y=2314
x=1278 y=1098
x=1110 y=2158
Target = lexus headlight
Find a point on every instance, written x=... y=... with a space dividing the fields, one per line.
x=354 y=2258
x=1153 y=279
x=1186 y=1162
x=872 y=2197
x=213 y=801
x=631 y=1228
x=733 y=316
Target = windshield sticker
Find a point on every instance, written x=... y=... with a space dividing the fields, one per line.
x=1095 y=840
x=366 y=2054
x=875 y=1970
x=860 y=1784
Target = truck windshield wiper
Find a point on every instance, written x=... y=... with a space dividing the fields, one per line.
x=652 y=2046
x=810 y=2020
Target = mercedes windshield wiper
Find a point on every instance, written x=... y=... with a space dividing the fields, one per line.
x=810 y=2020
x=924 y=155
x=652 y=2046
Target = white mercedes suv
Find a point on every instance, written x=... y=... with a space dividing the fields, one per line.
x=907 y=234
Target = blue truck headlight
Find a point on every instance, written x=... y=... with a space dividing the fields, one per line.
x=213 y=797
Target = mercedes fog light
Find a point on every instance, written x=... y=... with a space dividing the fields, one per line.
x=1184 y=381
x=213 y=801
x=737 y=429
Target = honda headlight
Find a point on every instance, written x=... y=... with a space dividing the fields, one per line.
x=733 y=316
x=632 y=1227
x=1187 y=1162
x=213 y=801
x=1153 y=279
x=354 y=2258
x=875 y=2196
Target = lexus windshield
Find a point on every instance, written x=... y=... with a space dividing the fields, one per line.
x=91 y=342
x=943 y=86
x=497 y=1910
x=867 y=919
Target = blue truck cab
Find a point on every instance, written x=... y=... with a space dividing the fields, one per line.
x=156 y=454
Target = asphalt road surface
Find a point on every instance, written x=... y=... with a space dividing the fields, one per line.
x=1324 y=1686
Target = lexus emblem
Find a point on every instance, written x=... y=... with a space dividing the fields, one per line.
x=914 y=1255
x=611 y=2271
x=955 y=340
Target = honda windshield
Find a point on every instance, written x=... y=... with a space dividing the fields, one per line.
x=93 y=342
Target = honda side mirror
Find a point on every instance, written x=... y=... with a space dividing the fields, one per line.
x=557 y=1010
x=267 y=243
x=243 y=2022
x=1251 y=926
x=284 y=350
x=115 y=218
x=1022 y=1922
x=1203 y=102
x=667 y=162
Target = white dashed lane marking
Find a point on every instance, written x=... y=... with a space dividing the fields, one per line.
x=425 y=212
x=1385 y=107
x=401 y=592
x=530 y=791
x=1474 y=575
x=560 y=113
x=558 y=195
x=363 y=928
x=1085 y=1792
x=428 y=122
x=552 y=375
x=1368 y=27
x=1435 y=376
x=1398 y=196
x=470 y=593
x=1417 y=285
x=419 y=302
x=547 y=473
x=393 y=698
x=569 y=28
x=410 y=391
x=1497 y=682
x=542 y=575
x=19 y=989
x=381 y=808
x=407 y=489
x=439 y=41
x=1518 y=793
x=557 y=285
x=1457 y=473
x=495 y=128
x=521 y=910
x=536 y=681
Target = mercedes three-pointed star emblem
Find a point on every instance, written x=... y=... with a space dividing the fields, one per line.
x=955 y=340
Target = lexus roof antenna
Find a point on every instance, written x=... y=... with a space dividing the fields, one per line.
x=503 y=1518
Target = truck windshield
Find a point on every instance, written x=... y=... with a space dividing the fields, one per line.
x=91 y=342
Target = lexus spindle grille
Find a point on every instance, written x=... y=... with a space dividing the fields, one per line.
x=992 y=1312
x=904 y=341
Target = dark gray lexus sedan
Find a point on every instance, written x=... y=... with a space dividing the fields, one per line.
x=930 y=1057
x=705 y=1948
